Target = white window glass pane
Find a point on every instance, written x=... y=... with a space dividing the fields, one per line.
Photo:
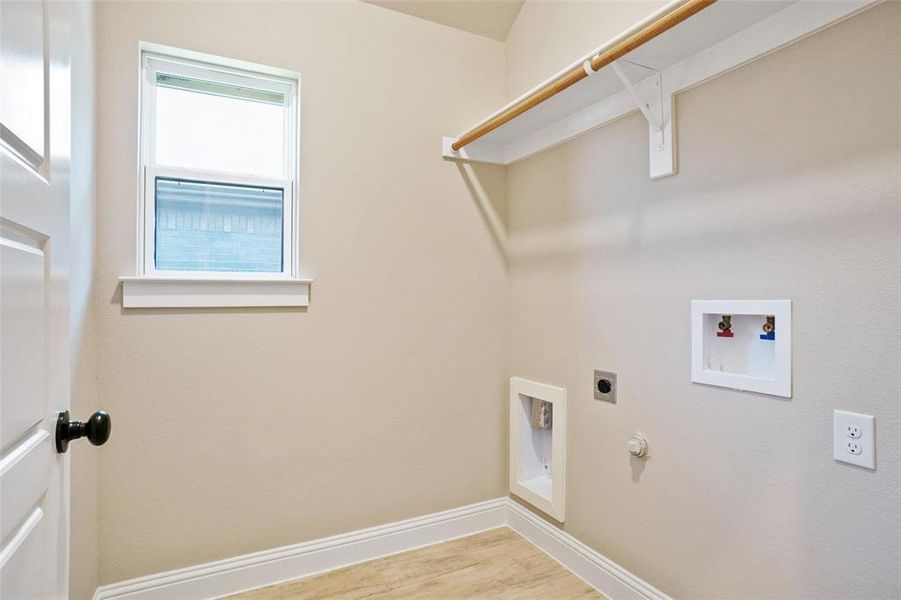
x=203 y=226
x=210 y=126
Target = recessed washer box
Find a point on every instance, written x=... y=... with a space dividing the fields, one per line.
x=743 y=345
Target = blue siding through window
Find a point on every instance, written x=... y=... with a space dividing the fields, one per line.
x=202 y=226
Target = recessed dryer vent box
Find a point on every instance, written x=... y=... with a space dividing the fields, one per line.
x=538 y=455
x=742 y=344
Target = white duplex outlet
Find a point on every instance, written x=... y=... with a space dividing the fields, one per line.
x=854 y=438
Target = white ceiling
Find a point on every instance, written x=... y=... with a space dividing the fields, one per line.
x=491 y=18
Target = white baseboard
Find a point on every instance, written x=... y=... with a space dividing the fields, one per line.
x=233 y=575
x=594 y=568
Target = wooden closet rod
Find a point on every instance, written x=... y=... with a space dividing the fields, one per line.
x=577 y=73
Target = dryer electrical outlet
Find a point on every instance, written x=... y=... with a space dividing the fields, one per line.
x=854 y=438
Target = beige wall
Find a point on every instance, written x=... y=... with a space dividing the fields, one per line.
x=549 y=35
x=83 y=552
x=240 y=430
x=788 y=188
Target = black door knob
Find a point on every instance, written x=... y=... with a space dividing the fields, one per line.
x=96 y=429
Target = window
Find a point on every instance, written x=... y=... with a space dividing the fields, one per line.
x=219 y=167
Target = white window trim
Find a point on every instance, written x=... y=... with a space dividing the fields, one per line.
x=157 y=289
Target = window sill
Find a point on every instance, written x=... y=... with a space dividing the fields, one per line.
x=171 y=292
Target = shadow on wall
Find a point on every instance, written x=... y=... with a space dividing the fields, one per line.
x=587 y=207
x=638 y=466
x=487 y=184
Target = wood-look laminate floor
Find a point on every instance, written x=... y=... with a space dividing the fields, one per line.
x=496 y=564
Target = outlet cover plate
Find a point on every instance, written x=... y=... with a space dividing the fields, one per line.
x=609 y=396
x=866 y=425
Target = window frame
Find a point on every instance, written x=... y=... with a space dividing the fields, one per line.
x=194 y=65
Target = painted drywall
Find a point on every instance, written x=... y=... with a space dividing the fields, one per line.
x=83 y=457
x=788 y=188
x=491 y=18
x=548 y=35
x=242 y=430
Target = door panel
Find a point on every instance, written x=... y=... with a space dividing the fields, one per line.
x=23 y=67
x=22 y=576
x=24 y=476
x=22 y=314
x=34 y=309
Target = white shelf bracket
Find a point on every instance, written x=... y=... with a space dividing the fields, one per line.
x=659 y=113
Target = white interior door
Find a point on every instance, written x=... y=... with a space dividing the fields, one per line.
x=34 y=359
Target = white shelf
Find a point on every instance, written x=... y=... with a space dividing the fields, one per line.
x=721 y=37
